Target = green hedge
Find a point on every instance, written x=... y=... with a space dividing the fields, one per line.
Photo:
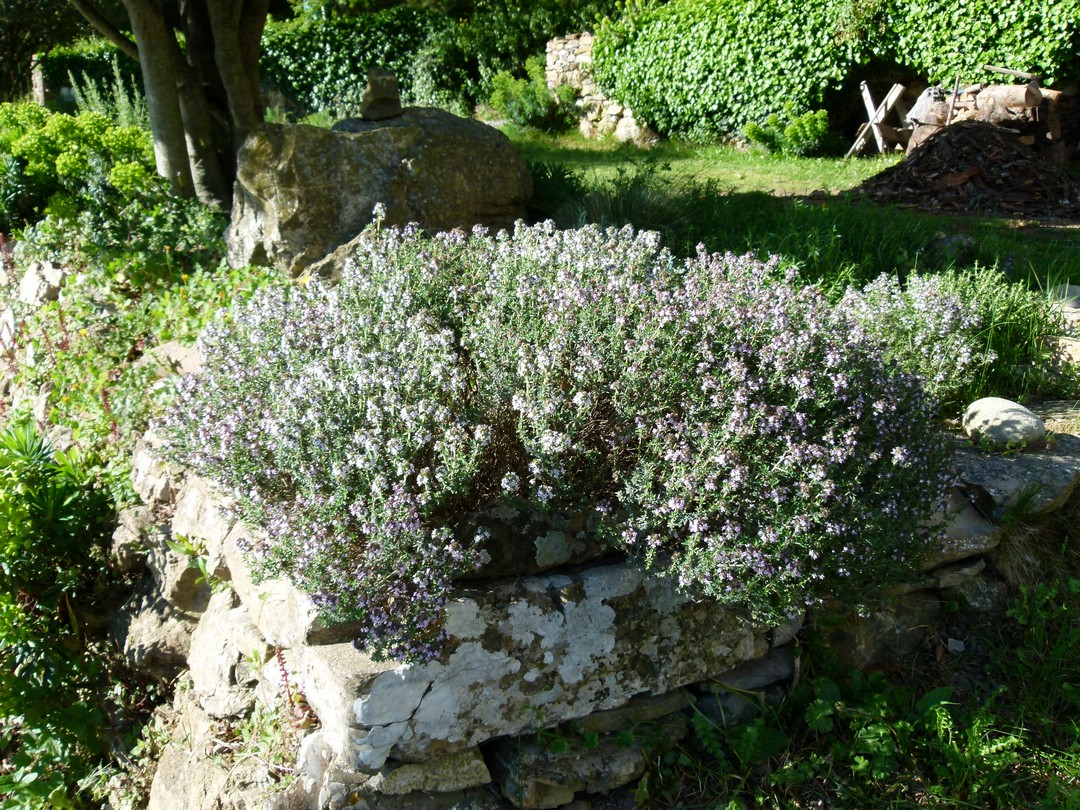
x=322 y=64
x=707 y=67
x=92 y=59
x=943 y=40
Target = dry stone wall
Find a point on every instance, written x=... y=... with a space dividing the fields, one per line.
x=569 y=62
x=585 y=648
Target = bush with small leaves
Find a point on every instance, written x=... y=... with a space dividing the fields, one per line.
x=737 y=431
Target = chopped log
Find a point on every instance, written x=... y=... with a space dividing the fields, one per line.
x=1051 y=112
x=1012 y=95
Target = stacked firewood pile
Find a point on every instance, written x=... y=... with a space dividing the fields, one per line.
x=974 y=166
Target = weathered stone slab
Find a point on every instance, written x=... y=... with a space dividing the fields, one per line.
x=155 y=481
x=171 y=358
x=950 y=576
x=201 y=518
x=529 y=653
x=221 y=646
x=284 y=614
x=776 y=665
x=886 y=635
x=641 y=709
x=967 y=533
x=523 y=540
x=460 y=771
x=547 y=770
x=156 y=637
x=1034 y=481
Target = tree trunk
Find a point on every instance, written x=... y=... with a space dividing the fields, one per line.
x=204 y=99
x=156 y=43
x=237 y=28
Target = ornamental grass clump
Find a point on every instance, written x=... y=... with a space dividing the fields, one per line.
x=736 y=431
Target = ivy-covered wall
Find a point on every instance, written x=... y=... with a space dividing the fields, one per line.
x=709 y=67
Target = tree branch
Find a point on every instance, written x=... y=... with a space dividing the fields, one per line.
x=106 y=28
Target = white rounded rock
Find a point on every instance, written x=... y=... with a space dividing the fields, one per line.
x=1003 y=423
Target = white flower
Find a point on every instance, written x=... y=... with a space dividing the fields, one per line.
x=510 y=483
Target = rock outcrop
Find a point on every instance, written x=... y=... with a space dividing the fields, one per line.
x=586 y=652
x=301 y=192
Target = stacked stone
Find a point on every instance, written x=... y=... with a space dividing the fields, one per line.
x=562 y=663
x=569 y=61
x=555 y=642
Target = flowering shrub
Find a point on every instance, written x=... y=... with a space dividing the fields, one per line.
x=738 y=432
x=926 y=328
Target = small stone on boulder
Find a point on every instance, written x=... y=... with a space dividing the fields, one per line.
x=382 y=99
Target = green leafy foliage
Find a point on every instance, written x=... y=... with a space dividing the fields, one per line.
x=528 y=102
x=795 y=135
x=443 y=54
x=943 y=40
x=499 y=35
x=95 y=63
x=322 y=64
x=61 y=162
x=52 y=521
x=706 y=68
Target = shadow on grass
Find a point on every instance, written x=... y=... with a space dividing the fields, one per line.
x=834 y=240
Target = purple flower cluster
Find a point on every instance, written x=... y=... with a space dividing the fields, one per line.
x=924 y=328
x=740 y=433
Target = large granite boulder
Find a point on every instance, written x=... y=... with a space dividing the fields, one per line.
x=301 y=191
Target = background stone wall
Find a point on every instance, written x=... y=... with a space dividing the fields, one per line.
x=569 y=61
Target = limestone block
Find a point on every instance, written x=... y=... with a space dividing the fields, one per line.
x=1067 y=349
x=460 y=771
x=730 y=709
x=41 y=282
x=154 y=480
x=185 y=782
x=284 y=614
x=1067 y=294
x=171 y=358
x=887 y=635
x=950 y=576
x=201 y=517
x=382 y=99
x=7 y=328
x=967 y=533
x=155 y=636
x=1002 y=423
x=472 y=799
x=132 y=536
x=776 y=665
x=546 y=770
x=1034 y=481
x=979 y=595
x=526 y=653
x=640 y=709
x=220 y=647
x=523 y=540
